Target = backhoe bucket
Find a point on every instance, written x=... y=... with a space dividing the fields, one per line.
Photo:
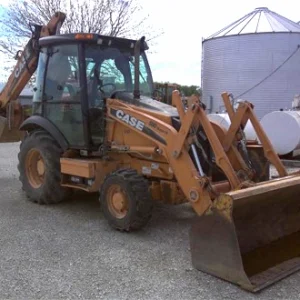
x=9 y=135
x=3 y=122
x=251 y=237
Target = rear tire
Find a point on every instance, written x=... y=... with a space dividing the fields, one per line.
x=39 y=168
x=126 y=200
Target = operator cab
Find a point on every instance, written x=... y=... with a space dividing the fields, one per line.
x=77 y=73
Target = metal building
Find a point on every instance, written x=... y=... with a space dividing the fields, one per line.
x=256 y=58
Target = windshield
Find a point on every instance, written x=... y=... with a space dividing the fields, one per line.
x=107 y=71
x=113 y=69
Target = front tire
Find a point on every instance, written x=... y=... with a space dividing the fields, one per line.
x=126 y=200
x=39 y=168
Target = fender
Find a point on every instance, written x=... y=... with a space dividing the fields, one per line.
x=38 y=121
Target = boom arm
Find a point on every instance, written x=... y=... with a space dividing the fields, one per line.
x=27 y=60
x=174 y=146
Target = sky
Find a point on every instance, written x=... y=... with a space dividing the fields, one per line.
x=176 y=55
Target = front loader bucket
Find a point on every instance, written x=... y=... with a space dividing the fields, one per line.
x=251 y=237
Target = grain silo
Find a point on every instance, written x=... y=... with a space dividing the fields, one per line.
x=256 y=58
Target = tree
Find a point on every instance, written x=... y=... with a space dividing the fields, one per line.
x=186 y=90
x=123 y=18
x=189 y=90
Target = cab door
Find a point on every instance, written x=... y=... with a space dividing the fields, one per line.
x=58 y=92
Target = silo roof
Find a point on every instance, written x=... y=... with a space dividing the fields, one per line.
x=260 y=20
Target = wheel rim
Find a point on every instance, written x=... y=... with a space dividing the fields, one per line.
x=35 y=168
x=117 y=202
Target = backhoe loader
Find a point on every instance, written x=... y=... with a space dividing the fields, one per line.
x=163 y=92
x=94 y=127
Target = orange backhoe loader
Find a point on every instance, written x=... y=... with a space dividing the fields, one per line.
x=95 y=127
x=163 y=92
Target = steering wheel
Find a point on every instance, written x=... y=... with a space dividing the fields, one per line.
x=107 y=84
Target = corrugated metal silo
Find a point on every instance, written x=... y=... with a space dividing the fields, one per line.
x=256 y=58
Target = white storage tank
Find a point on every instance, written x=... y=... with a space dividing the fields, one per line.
x=224 y=121
x=256 y=58
x=283 y=130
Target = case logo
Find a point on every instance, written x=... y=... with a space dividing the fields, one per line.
x=132 y=121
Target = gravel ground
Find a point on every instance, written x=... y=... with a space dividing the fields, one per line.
x=69 y=251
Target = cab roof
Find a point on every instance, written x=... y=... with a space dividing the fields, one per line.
x=90 y=38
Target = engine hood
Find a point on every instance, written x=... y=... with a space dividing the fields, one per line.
x=148 y=103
